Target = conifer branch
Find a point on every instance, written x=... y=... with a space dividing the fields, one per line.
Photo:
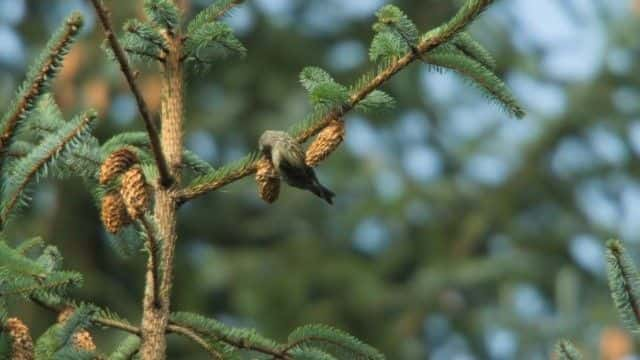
x=565 y=350
x=38 y=80
x=186 y=332
x=624 y=282
x=163 y=169
x=470 y=10
x=36 y=162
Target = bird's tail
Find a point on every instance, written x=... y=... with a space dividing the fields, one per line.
x=322 y=192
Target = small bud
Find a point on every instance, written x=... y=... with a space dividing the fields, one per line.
x=268 y=181
x=114 y=213
x=21 y=341
x=134 y=192
x=325 y=143
x=117 y=163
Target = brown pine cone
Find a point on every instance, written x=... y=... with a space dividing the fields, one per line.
x=134 y=192
x=21 y=341
x=117 y=163
x=325 y=143
x=268 y=181
x=114 y=213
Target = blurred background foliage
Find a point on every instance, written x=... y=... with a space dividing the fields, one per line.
x=458 y=233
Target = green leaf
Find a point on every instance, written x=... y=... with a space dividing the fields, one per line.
x=624 y=283
x=449 y=57
x=564 y=350
x=387 y=46
x=36 y=164
x=163 y=13
x=334 y=341
x=377 y=100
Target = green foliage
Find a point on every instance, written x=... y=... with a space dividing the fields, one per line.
x=46 y=118
x=214 y=12
x=333 y=341
x=210 y=42
x=624 y=283
x=323 y=90
x=309 y=353
x=312 y=76
x=564 y=350
x=23 y=276
x=57 y=341
x=387 y=46
x=24 y=247
x=216 y=331
x=474 y=50
x=142 y=42
x=225 y=172
x=57 y=282
x=39 y=78
x=449 y=57
x=51 y=258
x=126 y=349
x=14 y=261
x=163 y=13
x=377 y=101
x=392 y=19
x=37 y=163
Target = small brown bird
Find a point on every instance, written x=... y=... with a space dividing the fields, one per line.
x=288 y=158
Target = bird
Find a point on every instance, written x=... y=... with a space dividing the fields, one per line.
x=287 y=157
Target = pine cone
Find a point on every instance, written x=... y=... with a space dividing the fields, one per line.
x=83 y=341
x=134 y=192
x=326 y=142
x=116 y=163
x=114 y=213
x=22 y=343
x=268 y=181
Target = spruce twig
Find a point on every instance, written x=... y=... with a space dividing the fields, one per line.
x=163 y=169
x=469 y=11
x=38 y=80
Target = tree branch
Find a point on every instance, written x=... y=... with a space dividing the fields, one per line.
x=165 y=178
x=237 y=344
x=434 y=38
x=153 y=263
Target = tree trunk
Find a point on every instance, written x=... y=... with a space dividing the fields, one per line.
x=155 y=316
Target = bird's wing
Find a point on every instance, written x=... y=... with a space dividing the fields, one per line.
x=296 y=153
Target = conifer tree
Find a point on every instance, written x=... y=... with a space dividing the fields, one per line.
x=140 y=179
